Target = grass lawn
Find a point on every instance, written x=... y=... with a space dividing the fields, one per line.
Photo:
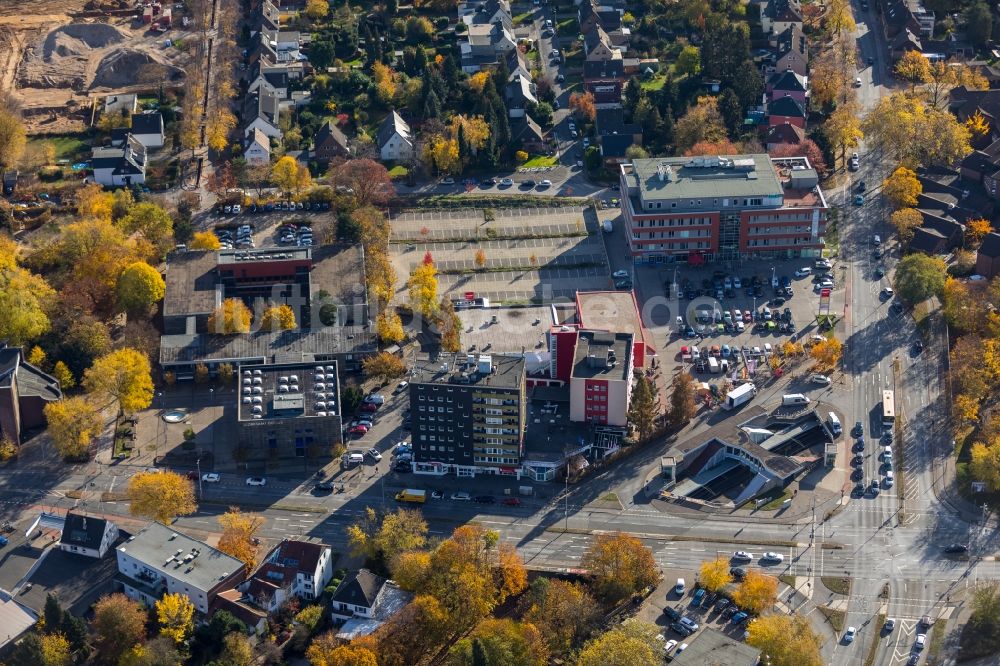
x=398 y=171
x=837 y=585
x=653 y=84
x=521 y=19
x=775 y=503
x=569 y=27
x=541 y=161
x=834 y=617
x=67 y=146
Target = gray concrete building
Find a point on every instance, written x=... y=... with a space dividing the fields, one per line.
x=288 y=410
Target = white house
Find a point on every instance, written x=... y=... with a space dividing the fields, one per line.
x=123 y=166
x=258 y=148
x=365 y=600
x=159 y=560
x=148 y=129
x=395 y=140
x=87 y=535
x=293 y=569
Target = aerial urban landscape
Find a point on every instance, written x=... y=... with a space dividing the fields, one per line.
x=499 y=333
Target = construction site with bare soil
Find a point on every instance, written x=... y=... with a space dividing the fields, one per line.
x=58 y=57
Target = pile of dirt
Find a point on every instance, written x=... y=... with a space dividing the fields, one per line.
x=124 y=67
x=77 y=39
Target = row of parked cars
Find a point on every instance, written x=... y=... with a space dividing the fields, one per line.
x=295 y=234
x=237 y=209
x=241 y=238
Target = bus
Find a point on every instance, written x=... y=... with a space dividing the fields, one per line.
x=888 y=408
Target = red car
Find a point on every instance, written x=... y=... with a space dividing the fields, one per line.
x=369 y=407
x=511 y=501
x=358 y=430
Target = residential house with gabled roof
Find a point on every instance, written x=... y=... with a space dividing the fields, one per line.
x=87 y=535
x=273 y=80
x=519 y=94
x=598 y=46
x=261 y=110
x=291 y=570
x=121 y=166
x=776 y=16
x=330 y=142
x=792 y=52
x=394 y=139
x=988 y=258
x=257 y=149
x=784 y=133
x=786 y=110
x=486 y=13
x=485 y=45
x=517 y=65
x=527 y=134
x=366 y=600
x=147 y=128
x=787 y=84
x=24 y=392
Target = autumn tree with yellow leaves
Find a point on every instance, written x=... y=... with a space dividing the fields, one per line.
x=619 y=565
x=787 y=640
x=204 y=240
x=123 y=377
x=383 y=366
x=118 y=623
x=238 y=534
x=278 y=318
x=423 y=286
x=902 y=188
x=73 y=423
x=175 y=615
x=160 y=496
x=756 y=592
x=230 y=318
x=290 y=175
x=389 y=327
x=827 y=354
x=714 y=574
x=906 y=221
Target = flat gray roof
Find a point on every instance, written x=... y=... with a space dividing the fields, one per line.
x=456 y=369
x=300 y=345
x=710 y=178
x=514 y=331
x=592 y=354
x=156 y=542
x=714 y=647
x=287 y=390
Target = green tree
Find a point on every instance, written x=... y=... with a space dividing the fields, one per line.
x=978 y=24
x=688 y=61
x=919 y=277
x=682 y=405
x=644 y=408
x=981 y=636
x=139 y=287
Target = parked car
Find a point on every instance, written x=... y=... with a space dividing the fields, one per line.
x=374 y=453
x=358 y=430
x=210 y=477
x=510 y=501
x=256 y=481
x=461 y=496
x=956 y=549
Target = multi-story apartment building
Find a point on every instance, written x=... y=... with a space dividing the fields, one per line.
x=158 y=560
x=468 y=415
x=601 y=382
x=697 y=209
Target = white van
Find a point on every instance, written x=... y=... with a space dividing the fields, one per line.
x=768 y=350
x=794 y=399
x=888 y=479
x=695 y=352
x=835 y=426
x=679 y=587
x=887 y=453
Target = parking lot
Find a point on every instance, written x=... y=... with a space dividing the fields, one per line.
x=505 y=255
x=264 y=226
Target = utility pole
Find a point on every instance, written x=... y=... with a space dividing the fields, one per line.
x=198 y=464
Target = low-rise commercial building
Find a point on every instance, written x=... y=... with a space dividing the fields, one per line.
x=698 y=209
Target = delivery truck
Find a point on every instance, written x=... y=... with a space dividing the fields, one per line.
x=713 y=365
x=740 y=396
x=411 y=495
